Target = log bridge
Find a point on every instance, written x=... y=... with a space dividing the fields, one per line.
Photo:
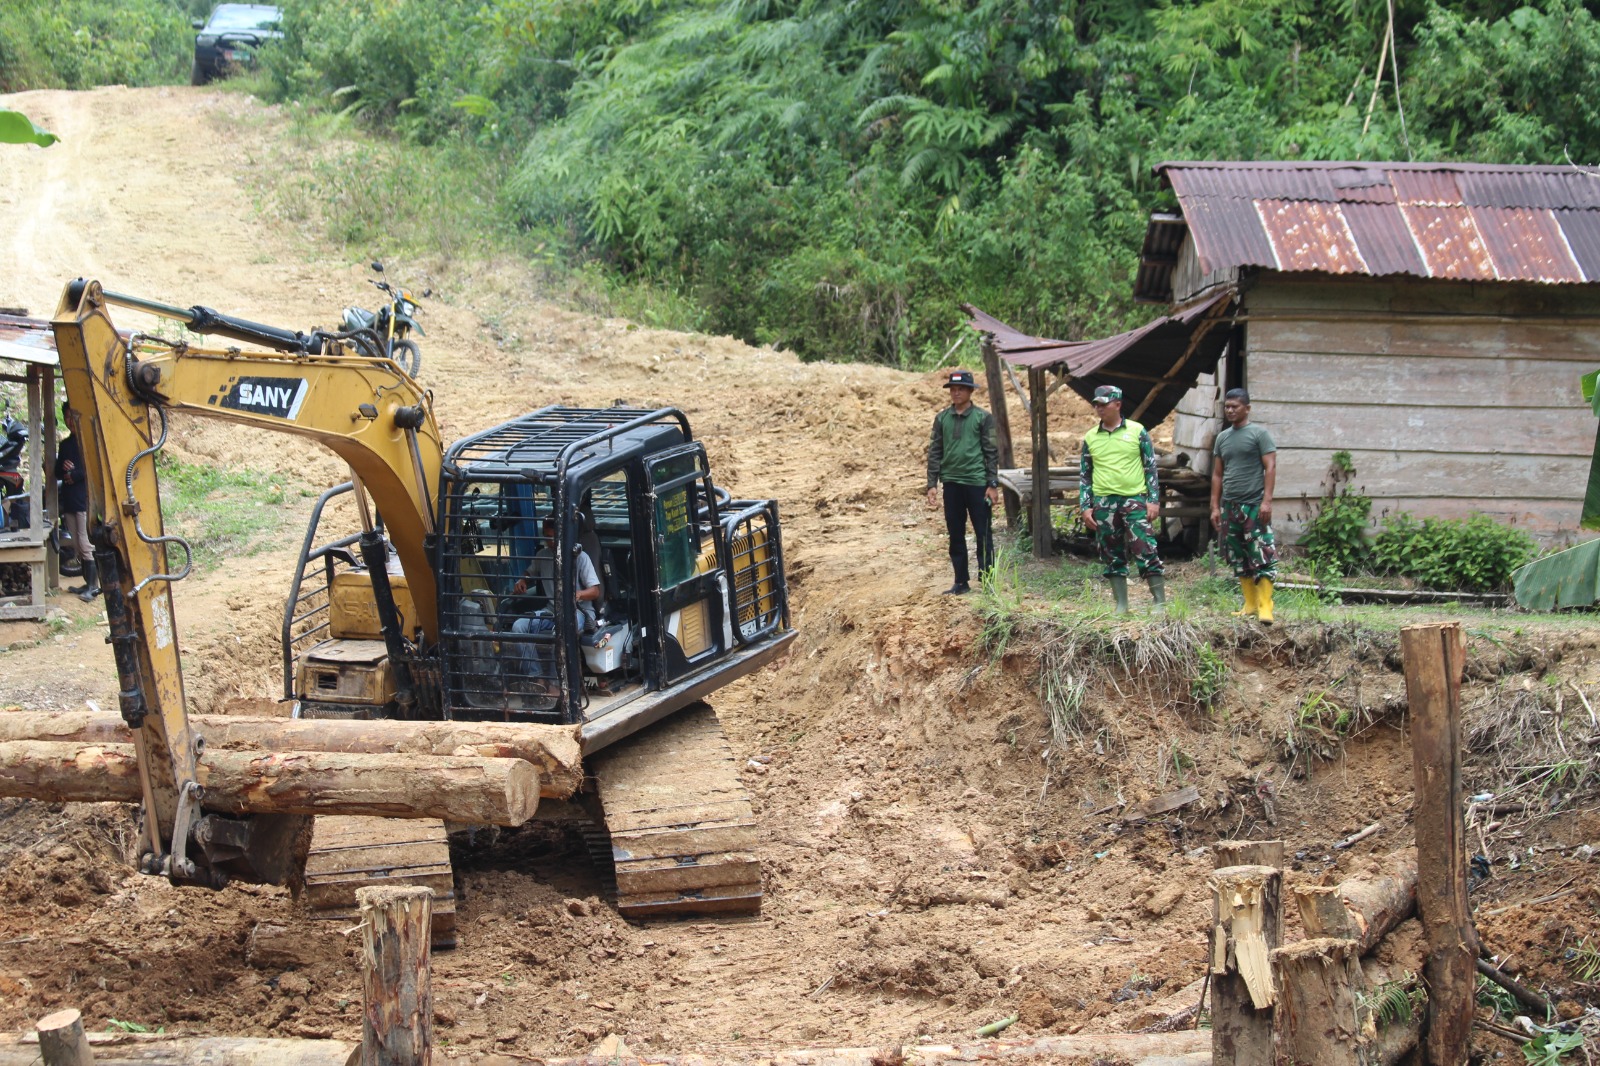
x=470 y=772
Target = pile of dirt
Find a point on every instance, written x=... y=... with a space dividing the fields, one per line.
x=935 y=858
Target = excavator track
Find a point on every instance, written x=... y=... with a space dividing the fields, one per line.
x=348 y=853
x=683 y=834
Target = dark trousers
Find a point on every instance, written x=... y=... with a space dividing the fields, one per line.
x=962 y=502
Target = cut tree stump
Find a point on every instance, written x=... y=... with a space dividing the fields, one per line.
x=1362 y=909
x=1246 y=928
x=396 y=931
x=62 y=1041
x=1247 y=853
x=1433 y=656
x=1337 y=1010
x=553 y=750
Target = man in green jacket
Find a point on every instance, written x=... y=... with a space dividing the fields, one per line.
x=963 y=454
x=1120 y=498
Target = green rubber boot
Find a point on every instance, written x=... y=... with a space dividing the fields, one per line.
x=1119 y=589
x=1158 y=591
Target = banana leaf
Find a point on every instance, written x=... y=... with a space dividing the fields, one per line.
x=1568 y=578
x=17 y=128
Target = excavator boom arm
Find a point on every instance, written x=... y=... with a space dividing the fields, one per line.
x=367 y=411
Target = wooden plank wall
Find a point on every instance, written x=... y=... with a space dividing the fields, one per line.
x=1451 y=397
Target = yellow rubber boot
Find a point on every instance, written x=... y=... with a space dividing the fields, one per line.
x=1264 y=600
x=1248 y=586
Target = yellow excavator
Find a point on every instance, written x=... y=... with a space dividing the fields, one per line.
x=573 y=567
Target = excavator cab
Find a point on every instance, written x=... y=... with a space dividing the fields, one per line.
x=530 y=512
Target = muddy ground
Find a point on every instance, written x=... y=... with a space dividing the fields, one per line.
x=934 y=860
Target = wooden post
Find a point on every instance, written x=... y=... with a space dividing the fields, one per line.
x=1039 y=508
x=62 y=1041
x=1433 y=656
x=996 y=382
x=1245 y=931
x=395 y=930
x=51 y=502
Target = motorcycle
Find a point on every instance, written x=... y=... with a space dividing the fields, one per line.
x=384 y=332
x=15 y=509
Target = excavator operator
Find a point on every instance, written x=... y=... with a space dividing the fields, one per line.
x=540 y=577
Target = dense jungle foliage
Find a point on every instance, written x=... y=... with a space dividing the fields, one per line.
x=836 y=176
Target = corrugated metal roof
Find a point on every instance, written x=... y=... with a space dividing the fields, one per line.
x=1468 y=221
x=1138 y=361
x=29 y=340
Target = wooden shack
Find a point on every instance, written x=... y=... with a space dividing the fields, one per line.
x=1432 y=320
x=28 y=359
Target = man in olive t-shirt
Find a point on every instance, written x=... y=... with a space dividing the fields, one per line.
x=1244 y=466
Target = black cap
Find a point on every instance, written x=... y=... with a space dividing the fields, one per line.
x=961 y=378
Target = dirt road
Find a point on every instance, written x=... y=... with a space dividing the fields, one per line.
x=926 y=873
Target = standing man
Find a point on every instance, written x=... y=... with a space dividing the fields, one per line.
x=1244 y=466
x=1120 y=498
x=74 y=503
x=964 y=456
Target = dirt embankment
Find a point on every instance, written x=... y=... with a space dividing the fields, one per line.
x=934 y=860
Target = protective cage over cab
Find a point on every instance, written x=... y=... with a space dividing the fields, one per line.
x=536 y=511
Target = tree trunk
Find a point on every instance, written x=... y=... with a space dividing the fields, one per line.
x=470 y=789
x=553 y=750
x=1247 y=853
x=395 y=930
x=62 y=1041
x=1321 y=1014
x=1433 y=656
x=1362 y=910
x=1245 y=931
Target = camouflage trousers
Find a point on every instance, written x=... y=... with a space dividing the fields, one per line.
x=1121 y=528
x=1247 y=541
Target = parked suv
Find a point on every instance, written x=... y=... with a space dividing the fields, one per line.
x=228 y=40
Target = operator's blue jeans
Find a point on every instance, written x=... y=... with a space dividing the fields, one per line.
x=538 y=658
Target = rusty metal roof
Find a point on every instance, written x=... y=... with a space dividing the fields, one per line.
x=1467 y=221
x=29 y=340
x=1154 y=365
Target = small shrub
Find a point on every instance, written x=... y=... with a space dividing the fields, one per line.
x=1210 y=674
x=1477 y=554
x=1336 y=539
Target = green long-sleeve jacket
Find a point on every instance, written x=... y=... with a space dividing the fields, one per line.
x=962 y=450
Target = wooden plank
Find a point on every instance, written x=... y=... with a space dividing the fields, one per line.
x=1482 y=342
x=719 y=871
x=1384 y=475
x=1416 y=381
x=1394 y=426
x=1411 y=296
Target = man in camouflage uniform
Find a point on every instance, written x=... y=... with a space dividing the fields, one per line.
x=1119 y=497
x=1244 y=468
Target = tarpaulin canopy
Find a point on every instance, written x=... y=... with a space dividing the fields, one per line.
x=1154 y=365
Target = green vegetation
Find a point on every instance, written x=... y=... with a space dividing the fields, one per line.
x=1474 y=554
x=78 y=44
x=224 y=514
x=836 y=178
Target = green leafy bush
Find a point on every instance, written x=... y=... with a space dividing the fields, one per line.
x=1476 y=554
x=1336 y=538
x=78 y=44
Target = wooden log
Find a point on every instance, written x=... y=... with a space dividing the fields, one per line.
x=1247 y=853
x=1039 y=510
x=996 y=382
x=62 y=1041
x=553 y=750
x=1433 y=656
x=397 y=1026
x=1246 y=928
x=1321 y=1014
x=468 y=789
x=1362 y=909
x=150 y=1049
